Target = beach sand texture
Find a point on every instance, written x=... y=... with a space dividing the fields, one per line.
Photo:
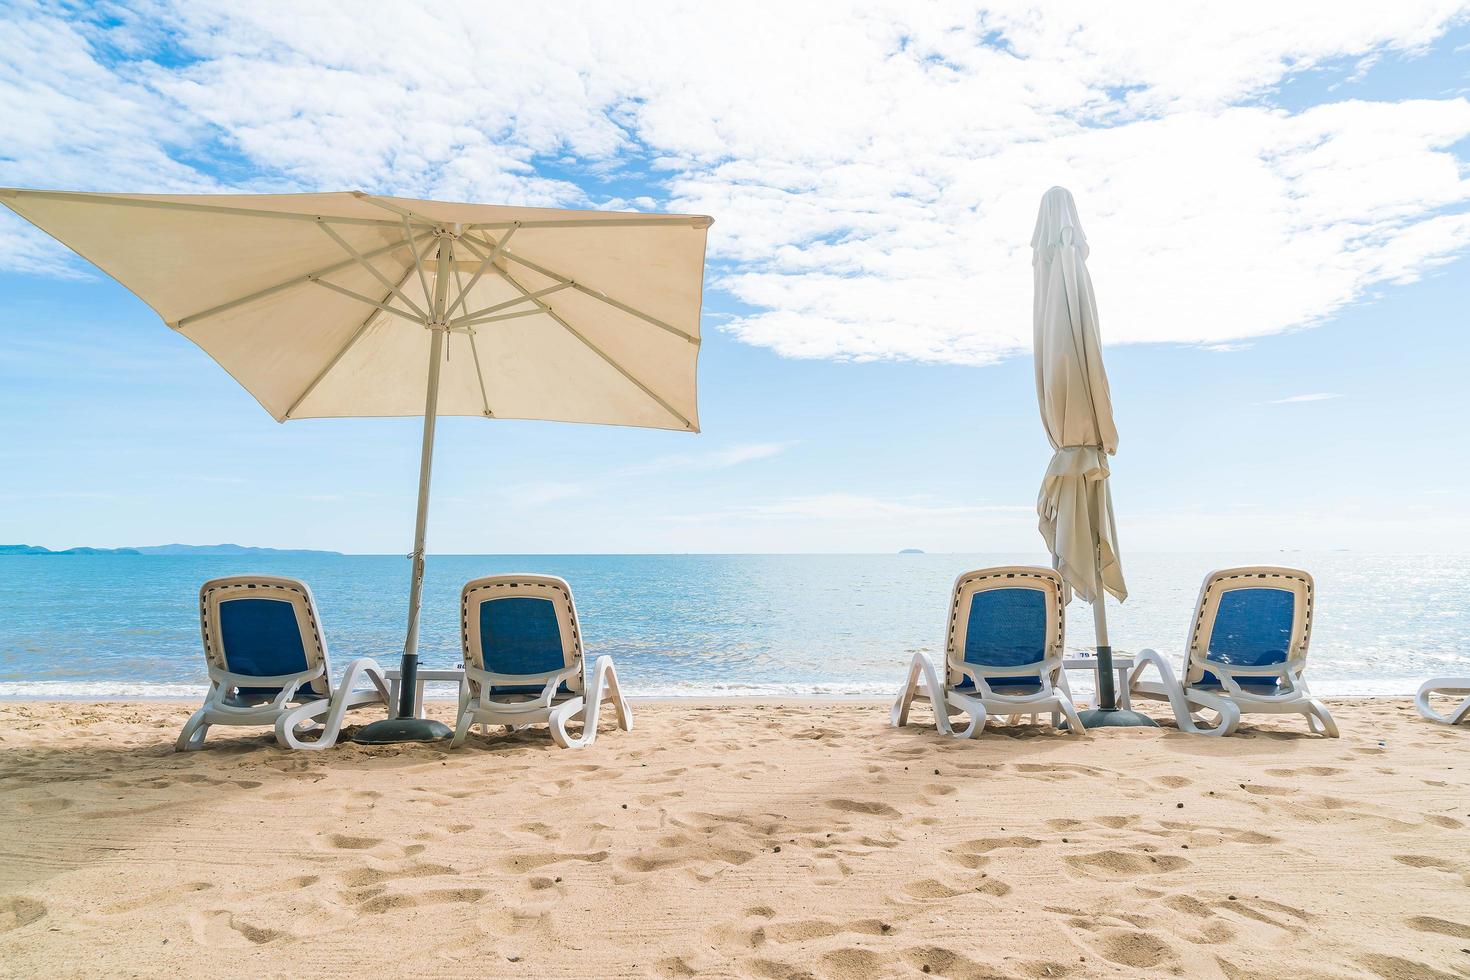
x=759 y=840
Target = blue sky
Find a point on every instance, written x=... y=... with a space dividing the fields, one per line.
x=1280 y=223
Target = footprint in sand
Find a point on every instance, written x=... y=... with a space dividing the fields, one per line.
x=222 y=929
x=347 y=842
x=1138 y=950
x=944 y=962
x=1424 y=861
x=1125 y=864
x=366 y=877
x=1306 y=771
x=931 y=890
x=871 y=808
x=17 y=912
x=852 y=962
x=1440 y=927
x=807 y=930
x=534 y=861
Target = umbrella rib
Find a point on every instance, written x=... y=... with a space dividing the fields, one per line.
x=336 y=359
x=363 y=299
x=322 y=224
x=181 y=322
x=484 y=397
x=418 y=260
x=485 y=264
x=496 y=319
x=596 y=350
x=134 y=202
x=402 y=212
x=474 y=352
x=586 y=291
x=496 y=308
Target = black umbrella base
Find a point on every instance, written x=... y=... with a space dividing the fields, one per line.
x=392 y=730
x=1115 y=718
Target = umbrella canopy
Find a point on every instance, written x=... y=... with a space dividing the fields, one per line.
x=318 y=304
x=1075 y=505
x=335 y=305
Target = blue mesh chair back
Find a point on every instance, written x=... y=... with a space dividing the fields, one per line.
x=1252 y=628
x=1006 y=628
x=520 y=635
x=261 y=638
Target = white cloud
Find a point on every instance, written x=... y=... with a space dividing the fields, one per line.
x=547 y=492
x=1316 y=396
x=855 y=507
x=716 y=459
x=874 y=170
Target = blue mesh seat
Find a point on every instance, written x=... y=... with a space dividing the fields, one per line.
x=1252 y=628
x=1007 y=628
x=260 y=637
x=520 y=635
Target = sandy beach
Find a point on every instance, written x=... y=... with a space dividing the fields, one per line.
x=759 y=839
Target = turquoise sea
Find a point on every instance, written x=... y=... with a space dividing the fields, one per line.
x=724 y=625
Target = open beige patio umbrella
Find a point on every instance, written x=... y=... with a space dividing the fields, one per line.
x=1075 y=505
x=350 y=305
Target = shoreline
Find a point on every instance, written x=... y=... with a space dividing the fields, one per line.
x=648 y=699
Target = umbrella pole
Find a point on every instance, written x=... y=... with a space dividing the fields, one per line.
x=407 y=727
x=1107 y=714
x=1107 y=694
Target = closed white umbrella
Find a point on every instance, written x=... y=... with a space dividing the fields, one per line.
x=348 y=305
x=1075 y=505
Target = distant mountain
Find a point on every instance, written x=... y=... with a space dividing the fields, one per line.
x=911 y=551
x=164 y=549
x=33 y=549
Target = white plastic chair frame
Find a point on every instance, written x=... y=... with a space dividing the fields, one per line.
x=478 y=704
x=1053 y=696
x=1233 y=700
x=290 y=720
x=1449 y=687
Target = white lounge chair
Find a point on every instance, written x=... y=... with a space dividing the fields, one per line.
x=268 y=664
x=1244 y=654
x=1003 y=653
x=523 y=661
x=1449 y=687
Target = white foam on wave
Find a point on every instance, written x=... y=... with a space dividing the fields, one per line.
x=122 y=691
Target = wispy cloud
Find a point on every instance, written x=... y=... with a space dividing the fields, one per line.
x=716 y=459
x=853 y=507
x=1316 y=396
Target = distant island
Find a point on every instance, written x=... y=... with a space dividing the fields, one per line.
x=162 y=549
x=912 y=551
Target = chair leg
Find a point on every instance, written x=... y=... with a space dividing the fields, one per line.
x=287 y=724
x=1319 y=719
x=975 y=729
x=191 y=738
x=463 y=723
x=605 y=687
x=1074 y=720
x=1183 y=709
x=922 y=666
x=570 y=711
x=1450 y=687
